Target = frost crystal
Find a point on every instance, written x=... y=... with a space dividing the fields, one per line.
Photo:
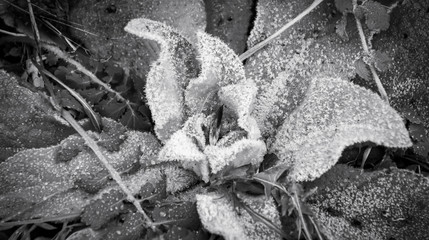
x=333 y=115
x=219 y=216
x=168 y=75
x=221 y=82
x=390 y=204
x=220 y=66
x=240 y=153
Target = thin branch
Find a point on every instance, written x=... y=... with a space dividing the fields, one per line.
x=12 y=33
x=365 y=47
x=69 y=216
x=112 y=171
x=94 y=118
x=262 y=44
x=57 y=51
x=35 y=29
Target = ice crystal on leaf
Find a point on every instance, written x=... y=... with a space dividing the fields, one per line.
x=221 y=81
x=168 y=76
x=100 y=211
x=389 y=204
x=35 y=184
x=27 y=119
x=218 y=215
x=305 y=106
x=334 y=115
x=220 y=67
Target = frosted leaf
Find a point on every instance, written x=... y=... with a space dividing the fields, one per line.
x=344 y=6
x=334 y=114
x=377 y=15
x=168 y=75
x=194 y=129
x=278 y=100
x=35 y=184
x=310 y=47
x=27 y=119
x=102 y=210
x=239 y=153
x=219 y=216
x=181 y=147
x=220 y=66
x=86 y=233
x=389 y=204
x=240 y=98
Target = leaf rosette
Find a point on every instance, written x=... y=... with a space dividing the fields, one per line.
x=184 y=104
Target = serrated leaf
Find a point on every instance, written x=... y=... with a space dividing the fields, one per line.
x=334 y=114
x=385 y=204
x=219 y=216
x=102 y=210
x=168 y=76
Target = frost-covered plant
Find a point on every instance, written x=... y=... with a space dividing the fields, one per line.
x=324 y=115
x=212 y=119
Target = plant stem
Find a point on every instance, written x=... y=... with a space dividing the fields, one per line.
x=262 y=44
x=57 y=51
x=365 y=47
x=112 y=171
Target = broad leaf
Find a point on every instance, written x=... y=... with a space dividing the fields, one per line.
x=390 y=204
x=102 y=210
x=28 y=120
x=181 y=147
x=219 y=215
x=334 y=115
x=316 y=114
x=168 y=76
x=34 y=183
x=220 y=66
x=220 y=82
x=240 y=99
x=309 y=48
x=239 y=153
